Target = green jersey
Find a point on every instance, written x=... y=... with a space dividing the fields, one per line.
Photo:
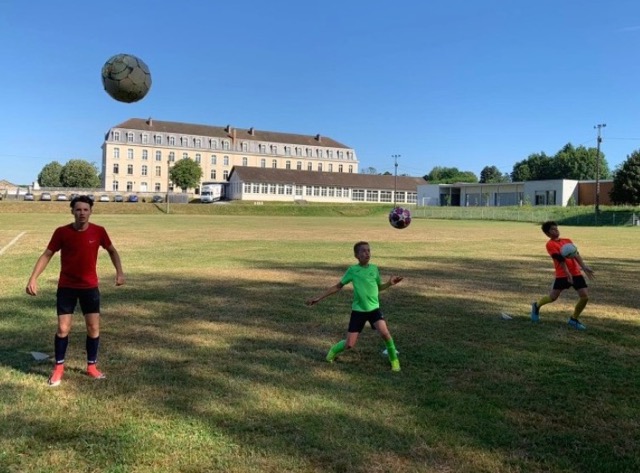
x=366 y=280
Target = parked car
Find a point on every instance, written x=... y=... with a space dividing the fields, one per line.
x=45 y=196
x=157 y=199
x=28 y=196
x=61 y=197
x=92 y=197
x=118 y=198
x=132 y=198
x=104 y=198
x=73 y=196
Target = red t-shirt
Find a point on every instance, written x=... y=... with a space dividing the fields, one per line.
x=79 y=254
x=553 y=248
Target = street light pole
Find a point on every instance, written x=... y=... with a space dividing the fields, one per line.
x=599 y=127
x=395 y=182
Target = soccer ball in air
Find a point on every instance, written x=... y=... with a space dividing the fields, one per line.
x=399 y=218
x=126 y=78
x=568 y=250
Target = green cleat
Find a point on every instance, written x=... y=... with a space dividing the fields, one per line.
x=331 y=356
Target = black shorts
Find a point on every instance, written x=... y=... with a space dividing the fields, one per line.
x=563 y=283
x=67 y=299
x=358 y=319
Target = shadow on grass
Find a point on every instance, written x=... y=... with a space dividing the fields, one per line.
x=245 y=360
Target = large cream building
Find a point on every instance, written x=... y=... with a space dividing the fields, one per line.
x=137 y=154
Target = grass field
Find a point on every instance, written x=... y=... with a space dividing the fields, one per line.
x=214 y=364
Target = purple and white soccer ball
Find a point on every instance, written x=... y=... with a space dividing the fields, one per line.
x=399 y=218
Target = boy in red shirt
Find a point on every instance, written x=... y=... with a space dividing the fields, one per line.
x=568 y=272
x=78 y=244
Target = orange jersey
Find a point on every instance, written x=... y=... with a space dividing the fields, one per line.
x=553 y=248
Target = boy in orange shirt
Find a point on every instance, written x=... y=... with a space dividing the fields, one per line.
x=568 y=272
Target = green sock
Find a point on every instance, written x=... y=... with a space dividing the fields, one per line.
x=391 y=349
x=338 y=347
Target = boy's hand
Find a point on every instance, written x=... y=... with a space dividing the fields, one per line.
x=589 y=272
x=393 y=280
x=311 y=302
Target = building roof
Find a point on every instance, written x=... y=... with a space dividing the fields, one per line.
x=152 y=125
x=316 y=178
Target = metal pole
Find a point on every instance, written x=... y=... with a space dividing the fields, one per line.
x=395 y=183
x=599 y=127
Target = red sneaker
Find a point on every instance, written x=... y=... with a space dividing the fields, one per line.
x=92 y=372
x=56 y=375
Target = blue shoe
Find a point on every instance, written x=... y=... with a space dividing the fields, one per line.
x=575 y=323
x=535 y=312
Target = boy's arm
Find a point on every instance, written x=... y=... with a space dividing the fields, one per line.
x=393 y=280
x=331 y=290
x=115 y=259
x=41 y=264
x=587 y=270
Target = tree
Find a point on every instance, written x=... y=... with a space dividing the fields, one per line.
x=536 y=167
x=79 y=173
x=492 y=174
x=370 y=170
x=185 y=174
x=580 y=163
x=50 y=175
x=626 y=181
x=444 y=175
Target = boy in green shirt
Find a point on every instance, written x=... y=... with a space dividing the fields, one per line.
x=366 y=306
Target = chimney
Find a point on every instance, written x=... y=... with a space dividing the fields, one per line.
x=227 y=128
x=318 y=137
x=252 y=132
x=150 y=121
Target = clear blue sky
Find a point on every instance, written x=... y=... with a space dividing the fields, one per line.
x=451 y=83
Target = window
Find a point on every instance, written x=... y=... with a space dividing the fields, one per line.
x=184 y=141
x=172 y=141
x=287 y=150
x=245 y=161
x=329 y=153
x=158 y=155
x=358 y=195
x=116 y=168
x=185 y=155
x=299 y=165
x=129 y=186
x=262 y=148
x=255 y=188
x=287 y=165
x=198 y=158
x=197 y=143
x=213 y=174
x=145 y=154
x=225 y=161
x=385 y=196
x=214 y=144
x=129 y=169
x=225 y=145
x=214 y=160
x=116 y=153
x=158 y=171
x=309 y=166
x=309 y=152
x=318 y=153
x=116 y=136
x=114 y=185
x=274 y=149
x=298 y=190
x=263 y=163
x=156 y=187
x=129 y=153
x=372 y=196
x=225 y=175
x=157 y=139
x=330 y=167
x=144 y=170
x=350 y=169
x=274 y=163
x=298 y=151
x=339 y=167
x=244 y=146
x=172 y=157
x=130 y=137
x=280 y=189
x=320 y=167
x=145 y=139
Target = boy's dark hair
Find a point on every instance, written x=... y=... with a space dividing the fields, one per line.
x=357 y=246
x=546 y=226
x=81 y=198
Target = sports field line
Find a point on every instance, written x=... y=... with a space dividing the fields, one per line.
x=11 y=243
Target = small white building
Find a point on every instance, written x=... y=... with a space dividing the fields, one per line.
x=550 y=192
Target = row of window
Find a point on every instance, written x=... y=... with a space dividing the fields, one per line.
x=223 y=144
x=356 y=195
x=129 y=187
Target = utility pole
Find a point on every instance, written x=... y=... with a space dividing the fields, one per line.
x=599 y=127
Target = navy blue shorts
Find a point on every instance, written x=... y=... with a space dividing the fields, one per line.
x=67 y=299
x=563 y=283
x=359 y=319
